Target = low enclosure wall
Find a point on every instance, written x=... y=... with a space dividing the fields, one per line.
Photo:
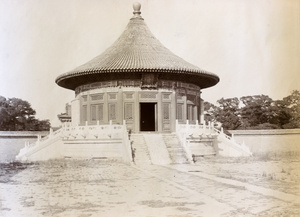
x=12 y=141
x=269 y=141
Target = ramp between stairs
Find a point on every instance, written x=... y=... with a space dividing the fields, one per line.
x=157 y=149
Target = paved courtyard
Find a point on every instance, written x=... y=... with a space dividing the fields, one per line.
x=102 y=188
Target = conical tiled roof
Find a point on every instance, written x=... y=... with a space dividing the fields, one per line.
x=136 y=51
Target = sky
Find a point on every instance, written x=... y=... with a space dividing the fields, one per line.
x=252 y=45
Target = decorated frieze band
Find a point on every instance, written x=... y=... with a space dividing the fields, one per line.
x=147 y=82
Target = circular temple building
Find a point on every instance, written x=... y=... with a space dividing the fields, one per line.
x=137 y=80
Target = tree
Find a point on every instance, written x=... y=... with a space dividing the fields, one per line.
x=227 y=113
x=209 y=112
x=17 y=114
x=292 y=109
x=281 y=114
x=257 y=110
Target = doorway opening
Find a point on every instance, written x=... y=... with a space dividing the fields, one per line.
x=147 y=116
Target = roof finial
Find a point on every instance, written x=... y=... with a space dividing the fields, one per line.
x=136 y=9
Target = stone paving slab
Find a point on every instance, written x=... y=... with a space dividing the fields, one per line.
x=241 y=200
x=261 y=190
x=91 y=188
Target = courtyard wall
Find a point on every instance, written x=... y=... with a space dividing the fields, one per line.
x=280 y=141
x=11 y=142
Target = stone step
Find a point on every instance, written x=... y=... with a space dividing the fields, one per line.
x=141 y=154
x=176 y=152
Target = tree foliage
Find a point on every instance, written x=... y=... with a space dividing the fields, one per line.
x=291 y=106
x=17 y=115
x=256 y=112
x=228 y=113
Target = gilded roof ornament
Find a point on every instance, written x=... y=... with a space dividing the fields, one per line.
x=136 y=10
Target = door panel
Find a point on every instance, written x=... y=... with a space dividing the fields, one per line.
x=147 y=116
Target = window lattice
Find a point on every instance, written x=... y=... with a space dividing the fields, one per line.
x=190 y=113
x=191 y=98
x=97 y=97
x=129 y=95
x=93 y=113
x=84 y=113
x=129 y=111
x=112 y=96
x=166 y=96
x=180 y=111
x=191 y=92
x=84 y=98
x=128 y=83
x=166 y=111
x=100 y=112
x=112 y=111
x=148 y=95
x=179 y=96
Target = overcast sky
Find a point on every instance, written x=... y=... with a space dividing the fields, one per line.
x=252 y=45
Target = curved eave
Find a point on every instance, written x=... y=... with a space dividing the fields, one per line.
x=202 y=79
x=135 y=52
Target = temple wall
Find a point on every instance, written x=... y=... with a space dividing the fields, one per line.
x=75 y=112
x=100 y=104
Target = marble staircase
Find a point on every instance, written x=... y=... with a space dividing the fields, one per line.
x=176 y=151
x=140 y=149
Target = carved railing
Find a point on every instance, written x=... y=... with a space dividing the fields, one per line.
x=127 y=142
x=110 y=131
x=87 y=132
x=187 y=132
x=39 y=144
x=245 y=150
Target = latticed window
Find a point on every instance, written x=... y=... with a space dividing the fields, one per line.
x=191 y=98
x=97 y=97
x=166 y=111
x=166 y=96
x=84 y=113
x=148 y=95
x=128 y=83
x=129 y=95
x=84 y=98
x=93 y=113
x=128 y=111
x=179 y=96
x=179 y=111
x=112 y=111
x=100 y=112
x=112 y=96
x=190 y=112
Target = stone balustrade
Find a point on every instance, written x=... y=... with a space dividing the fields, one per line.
x=208 y=135
x=110 y=137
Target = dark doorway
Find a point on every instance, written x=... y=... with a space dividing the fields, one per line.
x=147 y=116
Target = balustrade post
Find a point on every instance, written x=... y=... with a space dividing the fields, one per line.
x=86 y=123
x=110 y=127
x=187 y=128
x=98 y=122
x=50 y=133
x=38 y=139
